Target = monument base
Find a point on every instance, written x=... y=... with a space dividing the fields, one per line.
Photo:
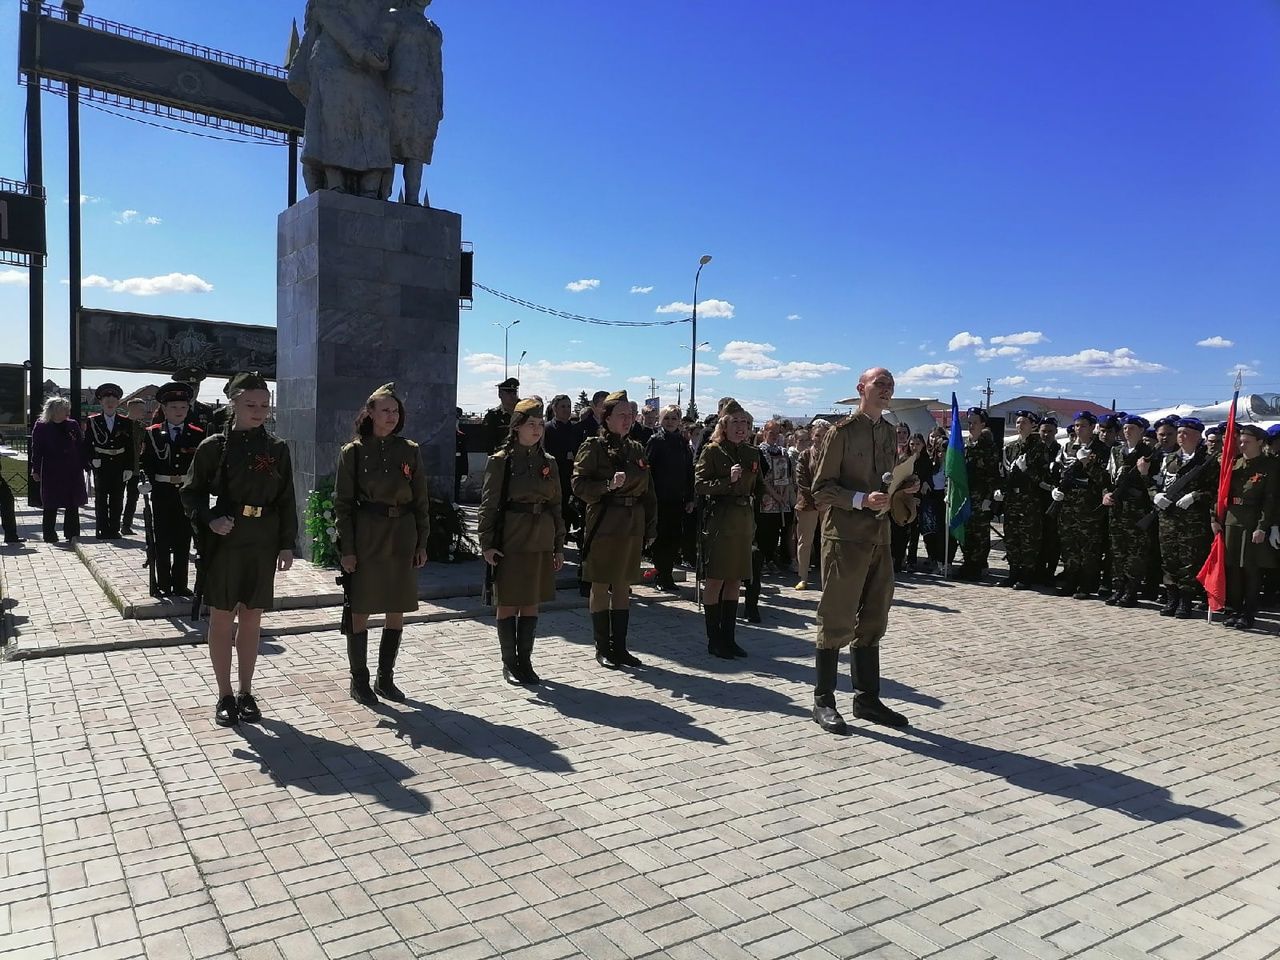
x=367 y=293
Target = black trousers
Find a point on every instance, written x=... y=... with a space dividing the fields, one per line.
x=769 y=531
x=172 y=532
x=1050 y=545
x=130 y=501
x=8 y=516
x=1244 y=584
x=108 y=500
x=666 y=546
x=70 y=523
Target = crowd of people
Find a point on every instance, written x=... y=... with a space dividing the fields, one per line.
x=1127 y=508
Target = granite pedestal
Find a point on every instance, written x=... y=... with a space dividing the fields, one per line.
x=367 y=293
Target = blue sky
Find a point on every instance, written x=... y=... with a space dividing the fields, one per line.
x=1093 y=183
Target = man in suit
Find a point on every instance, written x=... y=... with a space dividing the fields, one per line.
x=113 y=455
x=167 y=451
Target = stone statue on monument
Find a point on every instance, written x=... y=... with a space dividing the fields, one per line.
x=339 y=73
x=416 y=84
x=371 y=75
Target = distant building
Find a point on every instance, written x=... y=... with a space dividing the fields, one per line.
x=1061 y=408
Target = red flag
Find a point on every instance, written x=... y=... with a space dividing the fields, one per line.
x=1213 y=575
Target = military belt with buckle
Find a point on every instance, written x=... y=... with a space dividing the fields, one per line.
x=382 y=509
x=249 y=510
x=109 y=451
x=171 y=478
x=624 y=501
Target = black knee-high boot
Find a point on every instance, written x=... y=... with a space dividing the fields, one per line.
x=526 y=627
x=729 y=627
x=866 y=683
x=715 y=643
x=388 y=650
x=619 y=620
x=600 y=633
x=507 y=641
x=357 y=659
x=825 y=714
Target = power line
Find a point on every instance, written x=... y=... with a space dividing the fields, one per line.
x=574 y=316
x=161 y=126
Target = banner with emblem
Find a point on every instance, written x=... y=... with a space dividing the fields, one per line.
x=142 y=343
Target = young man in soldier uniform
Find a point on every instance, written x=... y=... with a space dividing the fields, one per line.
x=1083 y=473
x=1185 y=535
x=857 y=569
x=111 y=451
x=1127 y=501
x=497 y=420
x=982 y=462
x=1025 y=468
x=167 y=449
x=1050 y=546
x=135 y=410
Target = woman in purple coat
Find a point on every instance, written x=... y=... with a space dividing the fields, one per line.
x=57 y=462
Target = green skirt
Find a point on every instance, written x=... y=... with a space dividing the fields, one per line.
x=524 y=579
x=240 y=568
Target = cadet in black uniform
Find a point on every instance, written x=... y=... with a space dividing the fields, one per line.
x=110 y=450
x=246 y=537
x=167 y=450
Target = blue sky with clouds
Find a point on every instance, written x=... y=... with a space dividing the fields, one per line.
x=1088 y=189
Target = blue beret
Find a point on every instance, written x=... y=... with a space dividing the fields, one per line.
x=976 y=412
x=1111 y=420
x=1166 y=422
x=1050 y=420
x=1140 y=421
x=1086 y=415
x=1029 y=414
x=1149 y=433
x=1191 y=422
x=1273 y=431
x=1213 y=431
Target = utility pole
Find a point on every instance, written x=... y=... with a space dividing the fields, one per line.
x=679 y=394
x=988 y=393
x=653 y=387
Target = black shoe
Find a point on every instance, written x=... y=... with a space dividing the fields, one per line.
x=1244 y=622
x=1171 y=599
x=183 y=592
x=247 y=706
x=826 y=669
x=1184 y=611
x=667 y=586
x=127 y=530
x=357 y=660
x=618 y=623
x=13 y=541
x=752 y=615
x=1230 y=619
x=1021 y=585
x=388 y=650
x=226 y=714
x=600 y=633
x=51 y=538
x=1111 y=597
x=867 y=707
x=1081 y=594
x=526 y=628
x=1130 y=597
x=711 y=613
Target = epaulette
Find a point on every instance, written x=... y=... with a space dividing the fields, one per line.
x=195 y=429
x=155 y=426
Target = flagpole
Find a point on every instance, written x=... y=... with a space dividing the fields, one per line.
x=946 y=528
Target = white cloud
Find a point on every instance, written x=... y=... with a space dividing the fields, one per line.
x=1011 y=381
x=483 y=363
x=643 y=380
x=990 y=353
x=793 y=316
x=84 y=199
x=577 y=286
x=153 y=221
x=1245 y=370
x=14 y=278
x=1045 y=390
x=792 y=370
x=802 y=396
x=704 y=370
x=962 y=340
x=748 y=353
x=704 y=348
x=151 y=286
x=585 y=367
x=721 y=309
x=128 y=216
x=1096 y=363
x=1027 y=338
x=931 y=375
x=642 y=289
x=1215 y=342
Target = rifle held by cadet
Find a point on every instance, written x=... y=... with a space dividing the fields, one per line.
x=1180 y=483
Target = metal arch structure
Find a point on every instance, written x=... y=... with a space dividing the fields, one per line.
x=124 y=67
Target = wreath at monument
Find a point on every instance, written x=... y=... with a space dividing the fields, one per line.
x=448 y=540
x=322 y=525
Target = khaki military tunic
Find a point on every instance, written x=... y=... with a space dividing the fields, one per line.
x=857 y=569
x=729 y=521
x=532 y=522
x=618 y=521
x=1253 y=504
x=244 y=469
x=382 y=472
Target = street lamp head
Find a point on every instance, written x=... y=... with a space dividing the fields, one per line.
x=706 y=258
x=514 y=322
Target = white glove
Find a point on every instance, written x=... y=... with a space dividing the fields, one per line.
x=986 y=506
x=1186 y=500
x=1058 y=495
x=128 y=475
x=998 y=496
x=1274 y=539
x=1162 y=502
x=97 y=464
x=1082 y=453
x=145 y=487
x=1021 y=463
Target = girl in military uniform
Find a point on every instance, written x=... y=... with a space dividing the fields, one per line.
x=611 y=475
x=245 y=537
x=522 y=534
x=728 y=474
x=1252 y=526
x=383 y=510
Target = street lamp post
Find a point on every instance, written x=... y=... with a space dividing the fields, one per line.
x=523 y=354
x=693 y=350
x=506 y=339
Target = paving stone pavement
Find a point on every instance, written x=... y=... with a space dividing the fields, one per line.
x=1079 y=781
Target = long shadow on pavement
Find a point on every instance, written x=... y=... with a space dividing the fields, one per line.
x=295 y=758
x=426 y=725
x=1086 y=782
x=714 y=692
x=622 y=712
